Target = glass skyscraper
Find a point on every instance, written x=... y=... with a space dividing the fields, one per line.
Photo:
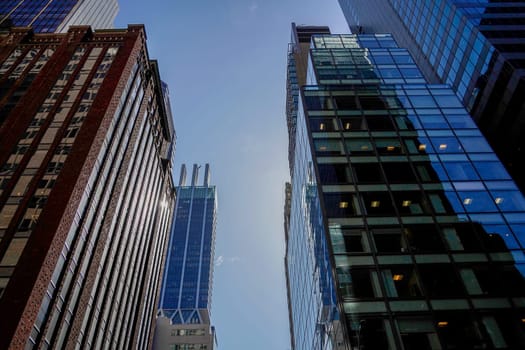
x=477 y=47
x=403 y=229
x=47 y=16
x=185 y=301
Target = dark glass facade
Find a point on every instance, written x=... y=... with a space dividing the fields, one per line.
x=46 y=16
x=86 y=192
x=405 y=231
x=187 y=285
x=477 y=47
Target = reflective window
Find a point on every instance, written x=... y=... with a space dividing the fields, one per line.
x=334 y=173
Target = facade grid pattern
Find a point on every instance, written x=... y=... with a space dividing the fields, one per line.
x=423 y=225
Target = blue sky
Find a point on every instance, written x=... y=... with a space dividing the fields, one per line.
x=225 y=64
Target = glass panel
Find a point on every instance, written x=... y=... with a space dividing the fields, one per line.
x=492 y=328
x=359 y=146
x=491 y=171
x=388 y=146
x=14 y=251
x=399 y=173
x=477 y=201
x=334 y=173
x=509 y=200
x=389 y=240
x=440 y=280
x=401 y=282
x=323 y=124
x=475 y=144
x=353 y=123
x=325 y=147
x=378 y=203
x=458 y=171
x=340 y=205
x=424 y=238
x=470 y=281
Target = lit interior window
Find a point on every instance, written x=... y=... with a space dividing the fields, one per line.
x=398 y=277
x=364 y=148
x=322 y=148
x=406 y=203
x=343 y=205
x=321 y=126
x=390 y=148
x=467 y=201
x=499 y=200
x=375 y=204
x=442 y=323
x=348 y=126
x=443 y=146
x=422 y=147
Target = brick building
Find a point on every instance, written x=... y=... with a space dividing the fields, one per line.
x=86 y=193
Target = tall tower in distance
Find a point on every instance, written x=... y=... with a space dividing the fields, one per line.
x=57 y=15
x=477 y=47
x=86 y=191
x=183 y=321
x=403 y=230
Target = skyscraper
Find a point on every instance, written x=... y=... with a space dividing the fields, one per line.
x=477 y=47
x=185 y=301
x=404 y=230
x=57 y=15
x=86 y=192
x=298 y=51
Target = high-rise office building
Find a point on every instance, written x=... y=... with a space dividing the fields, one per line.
x=477 y=47
x=185 y=300
x=86 y=192
x=57 y=15
x=404 y=231
x=298 y=51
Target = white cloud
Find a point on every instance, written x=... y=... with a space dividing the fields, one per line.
x=231 y=260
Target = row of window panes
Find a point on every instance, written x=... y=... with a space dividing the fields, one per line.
x=393 y=146
x=427 y=238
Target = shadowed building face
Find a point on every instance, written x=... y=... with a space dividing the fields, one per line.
x=396 y=216
x=86 y=194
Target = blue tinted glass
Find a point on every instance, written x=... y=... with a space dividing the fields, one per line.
x=477 y=201
x=458 y=171
x=475 y=144
x=491 y=170
x=509 y=200
x=504 y=232
x=446 y=145
x=422 y=101
x=454 y=202
x=434 y=122
x=450 y=101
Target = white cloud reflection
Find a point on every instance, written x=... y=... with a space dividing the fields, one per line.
x=221 y=260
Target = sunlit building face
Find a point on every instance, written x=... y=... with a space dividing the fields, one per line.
x=86 y=194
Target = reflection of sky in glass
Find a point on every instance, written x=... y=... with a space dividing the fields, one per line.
x=457 y=49
x=393 y=155
x=43 y=15
x=189 y=262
